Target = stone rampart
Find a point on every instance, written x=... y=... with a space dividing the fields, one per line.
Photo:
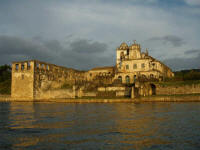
x=177 y=89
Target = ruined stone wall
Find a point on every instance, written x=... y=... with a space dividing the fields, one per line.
x=39 y=80
x=177 y=89
x=53 y=81
x=22 y=80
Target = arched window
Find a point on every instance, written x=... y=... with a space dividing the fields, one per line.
x=151 y=76
x=127 y=79
x=134 y=78
x=143 y=76
x=153 y=87
x=120 y=79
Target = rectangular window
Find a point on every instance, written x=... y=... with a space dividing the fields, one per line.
x=134 y=66
x=17 y=67
x=22 y=66
x=142 y=65
x=127 y=67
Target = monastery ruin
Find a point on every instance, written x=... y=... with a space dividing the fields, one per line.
x=133 y=75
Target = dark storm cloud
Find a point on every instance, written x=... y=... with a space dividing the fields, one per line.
x=183 y=63
x=171 y=39
x=170 y=23
x=79 y=53
x=15 y=46
x=192 y=51
x=85 y=46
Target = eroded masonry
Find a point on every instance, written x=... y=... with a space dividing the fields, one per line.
x=133 y=75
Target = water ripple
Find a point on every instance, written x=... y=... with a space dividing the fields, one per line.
x=36 y=126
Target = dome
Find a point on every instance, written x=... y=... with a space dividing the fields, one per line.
x=123 y=46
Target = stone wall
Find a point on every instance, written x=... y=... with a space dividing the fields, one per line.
x=53 y=81
x=177 y=89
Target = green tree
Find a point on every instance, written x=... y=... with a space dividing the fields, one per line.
x=5 y=79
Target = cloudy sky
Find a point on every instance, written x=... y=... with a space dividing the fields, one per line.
x=85 y=33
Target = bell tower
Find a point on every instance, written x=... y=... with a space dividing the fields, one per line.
x=135 y=51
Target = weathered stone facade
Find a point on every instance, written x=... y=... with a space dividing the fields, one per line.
x=39 y=80
x=133 y=64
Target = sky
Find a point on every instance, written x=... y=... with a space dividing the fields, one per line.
x=84 y=34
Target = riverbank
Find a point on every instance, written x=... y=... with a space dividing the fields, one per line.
x=156 y=98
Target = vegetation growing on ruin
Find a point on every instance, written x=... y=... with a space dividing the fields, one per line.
x=5 y=79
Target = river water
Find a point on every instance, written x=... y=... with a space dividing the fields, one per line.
x=99 y=126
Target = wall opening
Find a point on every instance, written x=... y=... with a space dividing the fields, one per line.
x=28 y=66
x=127 y=51
x=17 y=67
x=22 y=66
x=127 y=67
x=38 y=66
x=127 y=79
x=47 y=67
x=153 y=88
x=120 y=79
x=134 y=78
x=43 y=67
x=151 y=76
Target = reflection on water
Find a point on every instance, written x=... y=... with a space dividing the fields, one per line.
x=124 y=126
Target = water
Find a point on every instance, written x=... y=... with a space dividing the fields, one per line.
x=99 y=126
